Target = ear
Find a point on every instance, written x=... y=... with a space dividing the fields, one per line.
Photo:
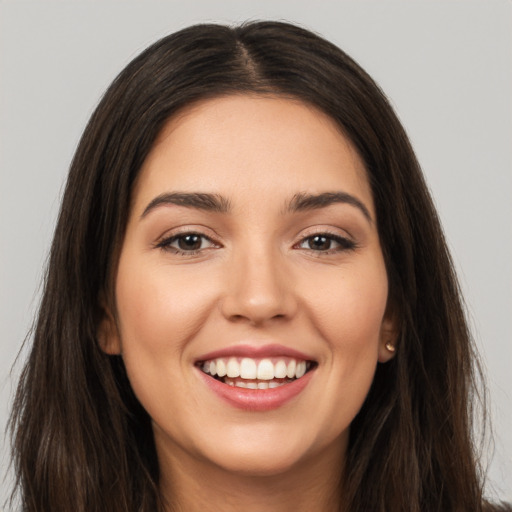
x=388 y=335
x=108 y=332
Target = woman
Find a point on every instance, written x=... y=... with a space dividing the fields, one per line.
x=249 y=301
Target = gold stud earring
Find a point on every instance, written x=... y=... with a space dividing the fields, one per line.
x=390 y=347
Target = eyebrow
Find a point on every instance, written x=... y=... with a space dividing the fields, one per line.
x=199 y=201
x=303 y=202
x=216 y=203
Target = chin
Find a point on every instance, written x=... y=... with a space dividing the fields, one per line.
x=262 y=452
x=260 y=463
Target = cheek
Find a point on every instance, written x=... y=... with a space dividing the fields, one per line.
x=159 y=308
x=351 y=323
x=349 y=308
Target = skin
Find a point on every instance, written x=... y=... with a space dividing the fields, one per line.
x=255 y=280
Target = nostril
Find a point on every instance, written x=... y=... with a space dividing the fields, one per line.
x=255 y=319
x=259 y=294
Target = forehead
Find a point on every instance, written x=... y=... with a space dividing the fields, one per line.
x=250 y=146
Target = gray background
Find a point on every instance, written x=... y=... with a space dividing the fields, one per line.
x=446 y=66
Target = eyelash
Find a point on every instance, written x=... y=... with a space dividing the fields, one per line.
x=166 y=243
x=344 y=244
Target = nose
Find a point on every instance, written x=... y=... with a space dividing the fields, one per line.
x=259 y=289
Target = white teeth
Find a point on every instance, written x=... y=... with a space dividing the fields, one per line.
x=280 y=370
x=221 y=368
x=265 y=370
x=290 y=373
x=251 y=369
x=271 y=384
x=301 y=369
x=233 y=368
x=248 y=368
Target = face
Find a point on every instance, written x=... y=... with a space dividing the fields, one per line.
x=251 y=289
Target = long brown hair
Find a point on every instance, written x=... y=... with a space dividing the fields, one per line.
x=81 y=440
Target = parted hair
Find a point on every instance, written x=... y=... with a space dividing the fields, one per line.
x=81 y=440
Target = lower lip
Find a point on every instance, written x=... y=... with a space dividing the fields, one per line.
x=257 y=399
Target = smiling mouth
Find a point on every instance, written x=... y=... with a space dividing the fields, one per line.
x=249 y=373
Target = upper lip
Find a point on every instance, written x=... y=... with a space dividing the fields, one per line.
x=255 y=352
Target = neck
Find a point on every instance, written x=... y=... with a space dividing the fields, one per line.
x=192 y=485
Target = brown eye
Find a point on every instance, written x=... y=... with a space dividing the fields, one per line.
x=326 y=243
x=186 y=243
x=190 y=242
x=319 y=243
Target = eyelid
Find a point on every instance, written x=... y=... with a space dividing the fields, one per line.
x=188 y=229
x=164 y=242
x=345 y=243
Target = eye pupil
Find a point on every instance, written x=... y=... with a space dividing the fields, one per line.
x=319 y=243
x=189 y=242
